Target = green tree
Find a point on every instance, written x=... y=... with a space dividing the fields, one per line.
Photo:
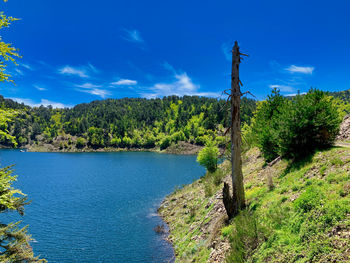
x=95 y=136
x=265 y=124
x=307 y=123
x=81 y=143
x=7 y=116
x=208 y=156
x=8 y=53
x=14 y=242
x=295 y=127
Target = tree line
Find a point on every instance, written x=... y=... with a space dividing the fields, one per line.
x=127 y=122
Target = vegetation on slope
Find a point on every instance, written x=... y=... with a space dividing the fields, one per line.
x=293 y=128
x=304 y=217
x=124 y=123
x=298 y=207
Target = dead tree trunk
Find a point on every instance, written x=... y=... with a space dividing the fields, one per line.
x=235 y=126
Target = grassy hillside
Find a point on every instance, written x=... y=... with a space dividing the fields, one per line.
x=300 y=214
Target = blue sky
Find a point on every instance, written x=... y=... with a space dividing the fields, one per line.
x=79 y=51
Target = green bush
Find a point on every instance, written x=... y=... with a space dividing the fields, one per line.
x=308 y=200
x=115 y=141
x=208 y=157
x=307 y=123
x=81 y=143
x=126 y=141
x=265 y=124
x=245 y=237
x=201 y=140
x=217 y=177
x=295 y=127
x=165 y=142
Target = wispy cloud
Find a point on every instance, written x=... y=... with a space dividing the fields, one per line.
x=93 y=90
x=282 y=88
x=124 y=82
x=181 y=85
x=226 y=50
x=132 y=35
x=92 y=68
x=294 y=94
x=19 y=72
x=299 y=69
x=39 y=87
x=69 y=70
x=43 y=102
x=26 y=66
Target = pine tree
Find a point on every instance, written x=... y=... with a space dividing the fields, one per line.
x=14 y=241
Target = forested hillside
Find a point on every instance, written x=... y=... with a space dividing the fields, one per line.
x=343 y=95
x=128 y=122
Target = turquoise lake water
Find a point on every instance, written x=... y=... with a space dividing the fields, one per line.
x=98 y=207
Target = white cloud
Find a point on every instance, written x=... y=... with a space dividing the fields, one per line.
x=283 y=88
x=226 y=50
x=19 y=72
x=39 y=87
x=69 y=70
x=88 y=86
x=98 y=92
x=132 y=36
x=43 y=102
x=302 y=70
x=92 y=68
x=294 y=94
x=93 y=89
x=182 y=85
x=27 y=66
x=124 y=82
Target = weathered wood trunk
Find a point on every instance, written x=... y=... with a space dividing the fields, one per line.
x=236 y=160
x=229 y=203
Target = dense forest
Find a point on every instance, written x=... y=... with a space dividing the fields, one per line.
x=343 y=95
x=127 y=122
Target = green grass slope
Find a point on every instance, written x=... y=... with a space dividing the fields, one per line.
x=297 y=212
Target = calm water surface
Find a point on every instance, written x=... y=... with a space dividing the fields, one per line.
x=98 y=207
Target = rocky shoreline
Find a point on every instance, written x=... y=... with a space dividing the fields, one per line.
x=195 y=220
x=184 y=148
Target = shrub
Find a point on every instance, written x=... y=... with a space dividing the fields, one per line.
x=208 y=157
x=149 y=141
x=116 y=141
x=81 y=143
x=307 y=123
x=126 y=141
x=165 y=142
x=208 y=189
x=217 y=176
x=245 y=237
x=295 y=127
x=308 y=200
x=265 y=124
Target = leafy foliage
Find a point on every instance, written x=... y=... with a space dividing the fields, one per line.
x=128 y=122
x=14 y=242
x=208 y=156
x=295 y=127
x=6 y=117
x=7 y=51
